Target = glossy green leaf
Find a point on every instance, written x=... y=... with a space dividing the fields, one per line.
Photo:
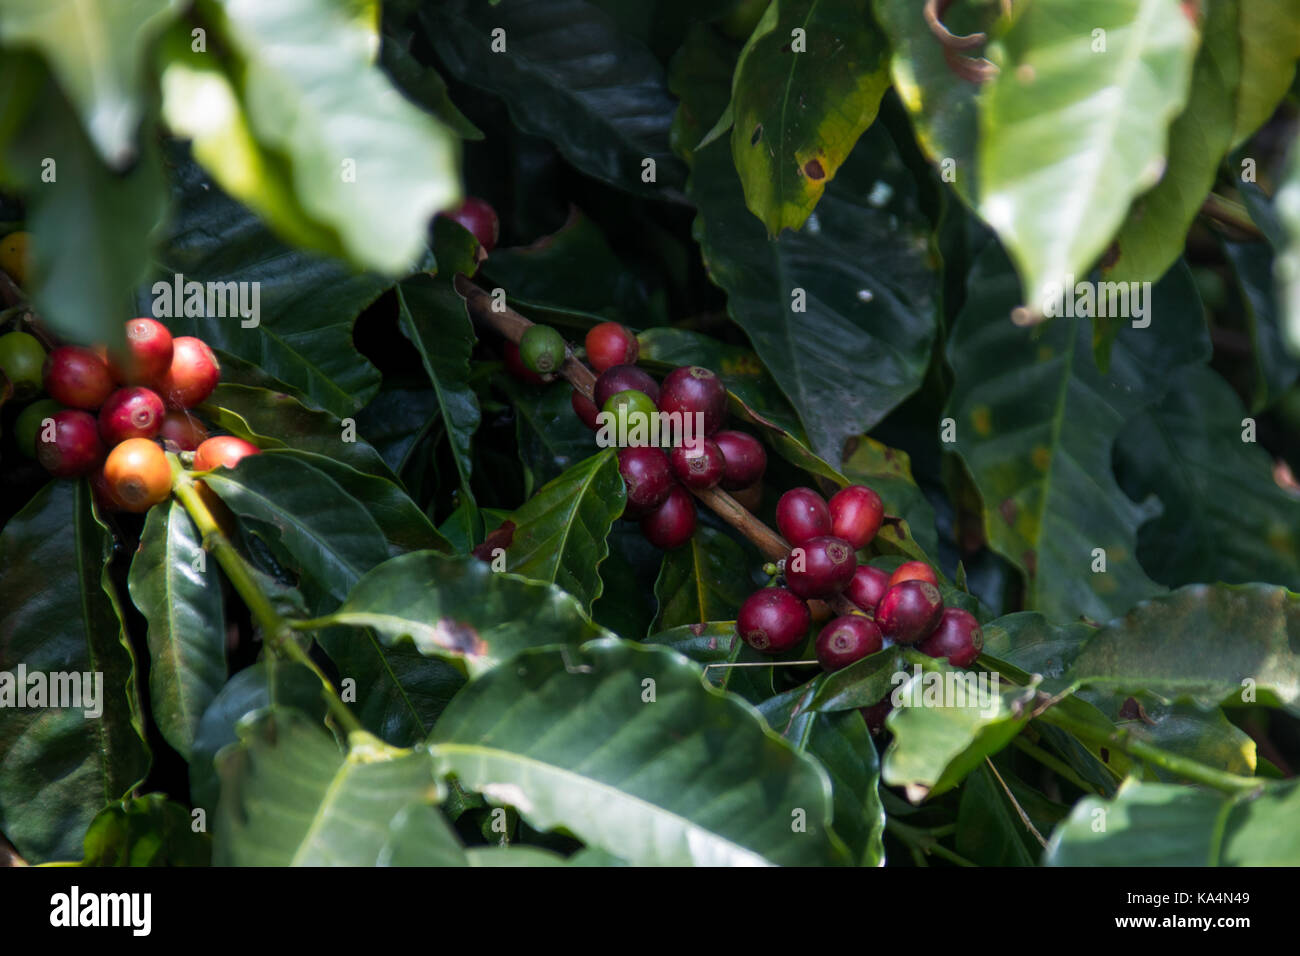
x=147 y=831
x=801 y=100
x=626 y=606
x=1287 y=265
x=426 y=86
x=1270 y=45
x=1224 y=518
x=863 y=683
x=599 y=742
x=989 y=831
x=717 y=642
x=60 y=616
x=290 y=798
x=702 y=581
x=1034 y=644
x=1213 y=643
x=1074 y=125
x=560 y=532
x=459 y=608
x=568 y=75
x=1183 y=728
x=187 y=623
x=1035 y=422
x=551 y=438
x=96 y=50
x=1254 y=269
x=859 y=272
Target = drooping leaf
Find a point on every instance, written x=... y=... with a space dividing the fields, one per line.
x=599 y=742
x=1270 y=45
x=1074 y=125
x=702 y=581
x=147 y=831
x=187 y=624
x=60 y=619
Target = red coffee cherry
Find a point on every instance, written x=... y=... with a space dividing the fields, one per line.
x=699 y=465
x=193 y=374
x=148 y=354
x=74 y=447
x=131 y=412
x=820 y=567
x=610 y=344
x=478 y=216
x=693 y=389
x=181 y=431
x=847 y=639
x=773 y=620
x=585 y=409
x=137 y=475
x=913 y=571
x=867 y=587
x=909 y=611
x=673 y=522
x=647 y=478
x=515 y=365
x=801 y=515
x=223 y=451
x=856 y=512
x=77 y=377
x=621 y=378
x=957 y=637
x=746 y=459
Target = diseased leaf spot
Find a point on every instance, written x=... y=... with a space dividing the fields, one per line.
x=814 y=170
x=457 y=637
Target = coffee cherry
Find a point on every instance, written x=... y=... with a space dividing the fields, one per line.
x=27 y=426
x=750 y=498
x=480 y=218
x=699 y=465
x=875 y=715
x=137 y=475
x=22 y=358
x=516 y=367
x=14 y=256
x=148 y=355
x=909 y=611
x=847 y=639
x=77 y=377
x=801 y=515
x=132 y=412
x=610 y=344
x=73 y=447
x=646 y=477
x=223 y=451
x=957 y=637
x=192 y=375
x=867 y=587
x=673 y=522
x=773 y=620
x=856 y=512
x=820 y=567
x=181 y=431
x=620 y=378
x=693 y=389
x=630 y=410
x=913 y=571
x=585 y=409
x=745 y=457
x=542 y=349
x=105 y=500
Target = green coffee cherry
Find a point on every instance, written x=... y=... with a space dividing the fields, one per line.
x=27 y=426
x=21 y=359
x=542 y=349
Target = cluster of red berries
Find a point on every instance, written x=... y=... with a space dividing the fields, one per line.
x=109 y=416
x=902 y=608
x=658 y=482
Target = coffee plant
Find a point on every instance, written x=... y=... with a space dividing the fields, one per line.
x=685 y=432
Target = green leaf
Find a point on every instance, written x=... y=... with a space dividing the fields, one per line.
x=888 y=472
x=1270 y=44
x=427 y=87
x=96 y=50
x=458 y=608
x=1152 y=237
x=187 y=623
x=1254 y=268
x=363 y=160
x=290 y=798
x=60 y=616
x=1212 y=643
x=306 y=304
x=703 y=581
x=568 y=75
x=1158 y=824
x=1224 y=518
x=842 y=744
x=582 y=741
x=1035 y=421
x=550 y=437
x=560 y=532
x=147 y=831
x=860 y=268
x=1070 y=134
x=419 y=835
x=863 y=683
x=1286 y=267
x=716 y=642
x=625 y=605
x=799 y=111
x=989 y=831
x=1029 y=641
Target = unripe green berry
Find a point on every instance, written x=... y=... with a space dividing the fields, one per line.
x=542 y=349
x=631 y=409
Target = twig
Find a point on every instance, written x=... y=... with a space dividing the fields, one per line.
x=1024 y=817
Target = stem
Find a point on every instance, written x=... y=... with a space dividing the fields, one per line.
x=1124 y=740
x=276 y=631
x=923 y=841
x=1055 y=764
x=1231 y=214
